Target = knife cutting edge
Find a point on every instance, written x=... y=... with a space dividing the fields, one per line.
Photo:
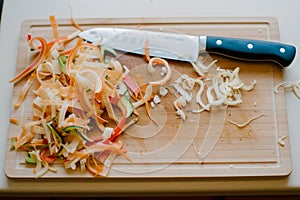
x=187 y=47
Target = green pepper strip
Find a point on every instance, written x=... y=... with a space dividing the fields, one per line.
x=29 y=159
x=76 y=130
x=72 y=127
x=105 y=50
x=62 y=60
x=57 y=137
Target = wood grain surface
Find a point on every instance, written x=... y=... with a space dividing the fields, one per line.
x=170 y=152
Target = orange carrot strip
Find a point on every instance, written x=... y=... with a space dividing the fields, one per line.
x=76 y=24
x=78 y=43
x=35 y=63
x=13 y=120
x=20 y=142
x=54 y=26
x=25 y=90
x=147 y=106
x=62 y=39
x=96 y=169
x=147 y=56
x=112 y=148
x=148 y=110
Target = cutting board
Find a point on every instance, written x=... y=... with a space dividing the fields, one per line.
x=171 y=150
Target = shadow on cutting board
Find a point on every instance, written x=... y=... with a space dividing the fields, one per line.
x=1 y=6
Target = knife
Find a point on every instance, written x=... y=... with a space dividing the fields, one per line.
x=187 y=47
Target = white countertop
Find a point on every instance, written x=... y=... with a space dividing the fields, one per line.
x=16 y=11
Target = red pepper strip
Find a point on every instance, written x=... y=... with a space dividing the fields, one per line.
x=118 y=129
x=49 y=158
x=29 y=37
x=35 y=63
x=114 y=100
x=131 y=84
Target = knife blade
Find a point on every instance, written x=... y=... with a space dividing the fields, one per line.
x=187 y=47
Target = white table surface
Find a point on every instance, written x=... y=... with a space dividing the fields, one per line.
x=16 y=11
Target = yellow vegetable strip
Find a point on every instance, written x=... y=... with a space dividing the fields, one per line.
x=241 y=125
x=107 y=104
x=25 y=90
x=28 y=135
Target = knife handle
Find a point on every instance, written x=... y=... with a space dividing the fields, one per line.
x=252 y=49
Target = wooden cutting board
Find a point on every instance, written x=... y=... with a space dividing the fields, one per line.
x=170 y=152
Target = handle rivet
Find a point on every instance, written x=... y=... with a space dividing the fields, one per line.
x=250 y=46
x=282 y=50
x=219 y=42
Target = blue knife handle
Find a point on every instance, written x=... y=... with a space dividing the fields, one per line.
x=252 y=49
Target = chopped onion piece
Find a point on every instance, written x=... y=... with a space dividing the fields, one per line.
x=163 y=91
x=108 y=131
x=179 y=111
x=156 y=99
x=241 y=125
x=181 y=91
x=280 y=140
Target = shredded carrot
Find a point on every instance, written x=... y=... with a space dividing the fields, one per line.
x=147 y=106
x=25 y=90
x=36 y=62
x=20 y=142
x=76 y=24
x=94 y=167
x=147 y=54
x=54 y=27
x=13 y=120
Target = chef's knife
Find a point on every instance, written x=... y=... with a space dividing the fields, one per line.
x=187 y=47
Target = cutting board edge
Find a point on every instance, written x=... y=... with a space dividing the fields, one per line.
x=28 y=23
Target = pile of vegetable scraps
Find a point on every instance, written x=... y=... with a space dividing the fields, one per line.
x=78 y=92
